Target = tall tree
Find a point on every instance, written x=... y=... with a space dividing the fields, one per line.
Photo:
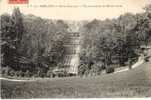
x=7 y=40
x=12 y=30
x=18 y=30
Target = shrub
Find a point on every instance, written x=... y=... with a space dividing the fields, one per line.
x=17 y=73
x=49 y=73
x=87 y=73
x=11 y=73
x=82 y=69
x=109 y=70
x=27 y=73
x=5 y=70
x=59 y=72
x=103 y=66
x=96 y=69
x=147 y=59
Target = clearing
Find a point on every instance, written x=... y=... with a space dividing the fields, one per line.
x=132 y=83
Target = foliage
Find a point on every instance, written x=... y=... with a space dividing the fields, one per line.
x=30 y=44
x=115 y=41
x=11 y=34
x=109 y=70
x=33 y=46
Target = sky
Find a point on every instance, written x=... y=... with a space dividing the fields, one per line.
x=76 y=13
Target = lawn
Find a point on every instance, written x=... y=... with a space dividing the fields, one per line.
x=132 y=83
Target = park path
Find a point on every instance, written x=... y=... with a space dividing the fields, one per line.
x=137 y=64
x=16 y=80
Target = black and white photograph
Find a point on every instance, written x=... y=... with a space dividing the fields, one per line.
x=75 y=49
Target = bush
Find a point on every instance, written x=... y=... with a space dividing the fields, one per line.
x=5 y=70
x=11 y=73
x=18 y=73
x=82 y=69
x=50 y=73
x=147 y=59
x=96 y=69
x=87 y=73
x=59 y=72
x=103 y=66
x=27 y=73
x=109 y=70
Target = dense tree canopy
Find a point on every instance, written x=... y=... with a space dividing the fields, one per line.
x=30 y=43
x=115 y=41
x=33 y=46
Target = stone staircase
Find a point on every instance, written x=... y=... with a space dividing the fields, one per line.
x=71 y=58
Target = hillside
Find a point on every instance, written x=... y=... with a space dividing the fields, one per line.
x=131 y=83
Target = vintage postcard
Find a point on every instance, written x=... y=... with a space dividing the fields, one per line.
x=75 y=49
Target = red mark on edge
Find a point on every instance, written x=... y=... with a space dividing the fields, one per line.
x=18 y=1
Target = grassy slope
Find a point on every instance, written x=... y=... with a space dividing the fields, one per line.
x=132 y=83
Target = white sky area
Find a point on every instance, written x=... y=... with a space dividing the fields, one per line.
x=76 y=13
